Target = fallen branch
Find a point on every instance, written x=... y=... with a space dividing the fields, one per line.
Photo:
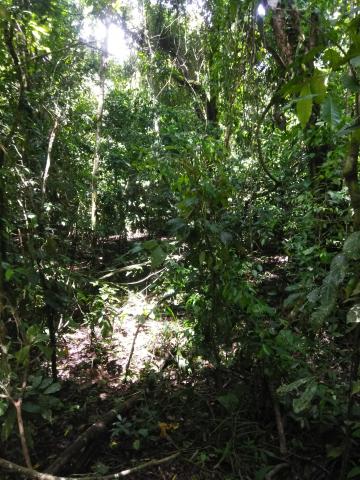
x=128 y=268
x=143 y=279
x=35 y=475
x=94 y=431
x=275 y=470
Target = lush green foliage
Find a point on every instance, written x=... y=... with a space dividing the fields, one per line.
x=231 y=141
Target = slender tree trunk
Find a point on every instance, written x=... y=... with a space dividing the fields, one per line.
x=99 y=118
x=52 y=137
x=21 y=428
x=351 y=170
x=351 y=176
x=3 y=241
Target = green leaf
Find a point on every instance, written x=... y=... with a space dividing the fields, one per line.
x=330 y=112
x=318 y=87
x=3 y=407
x=150 y=245
x=9 y=273
x=304 y=401
x=309 y=251
x=350 y=83
x=22 y=356
x=355 y=388
x=36 y=381
x=291 y=299
x=45 y=383
x=176 y=224
x=351 y=246
x=136 y=444
x=356 y=290
x=304 y=106
x=225 y=237
x=284 y=389
x=261 y=473
x=8 y=424
x=31 y=407
x=54 y=387
x=335 y=452
x=314 y=295
x=347 y=129
x=333 y=57
x=355 y=62
x=3 y=12
x=338 y=270
x=291 y=87
x=354 y=472
x=157 y=257
x=229 y=401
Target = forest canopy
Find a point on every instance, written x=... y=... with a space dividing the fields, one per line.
x=179 y=239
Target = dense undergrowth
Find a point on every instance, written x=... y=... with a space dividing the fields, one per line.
x=179 y=239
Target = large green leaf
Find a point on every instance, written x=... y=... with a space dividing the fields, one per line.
x=333 y=57
x=352 y=246
x=157 y=257
x=351 y=83
x=354 y=472
x=355 y=62
x=304 y=105
x=347 y=129
x=330 y=288
x=284 y=389
x=330 y=112
x=31 y=407
x=338 y=269
x=54 y=387
x=150 y=244
x=229 y=401
x=22 y=356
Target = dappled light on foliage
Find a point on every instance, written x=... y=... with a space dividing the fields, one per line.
x=179 y=239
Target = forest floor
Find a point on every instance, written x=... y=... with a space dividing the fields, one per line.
x=214 y=424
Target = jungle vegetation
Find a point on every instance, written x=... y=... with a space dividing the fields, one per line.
x=179 y=239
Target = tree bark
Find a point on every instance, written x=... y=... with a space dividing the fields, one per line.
x=33 y=474
x=93 y=432
x=351 y=176
x=52 y=137
x=99 y=117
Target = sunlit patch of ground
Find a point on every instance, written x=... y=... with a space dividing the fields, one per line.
x=139 y=337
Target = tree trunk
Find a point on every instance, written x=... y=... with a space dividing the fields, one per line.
x=99 y=117
x=350 y=173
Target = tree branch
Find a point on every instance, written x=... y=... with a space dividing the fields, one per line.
x=35 y=475
x=258 y=140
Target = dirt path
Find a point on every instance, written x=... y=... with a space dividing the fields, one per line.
x=138 y=341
